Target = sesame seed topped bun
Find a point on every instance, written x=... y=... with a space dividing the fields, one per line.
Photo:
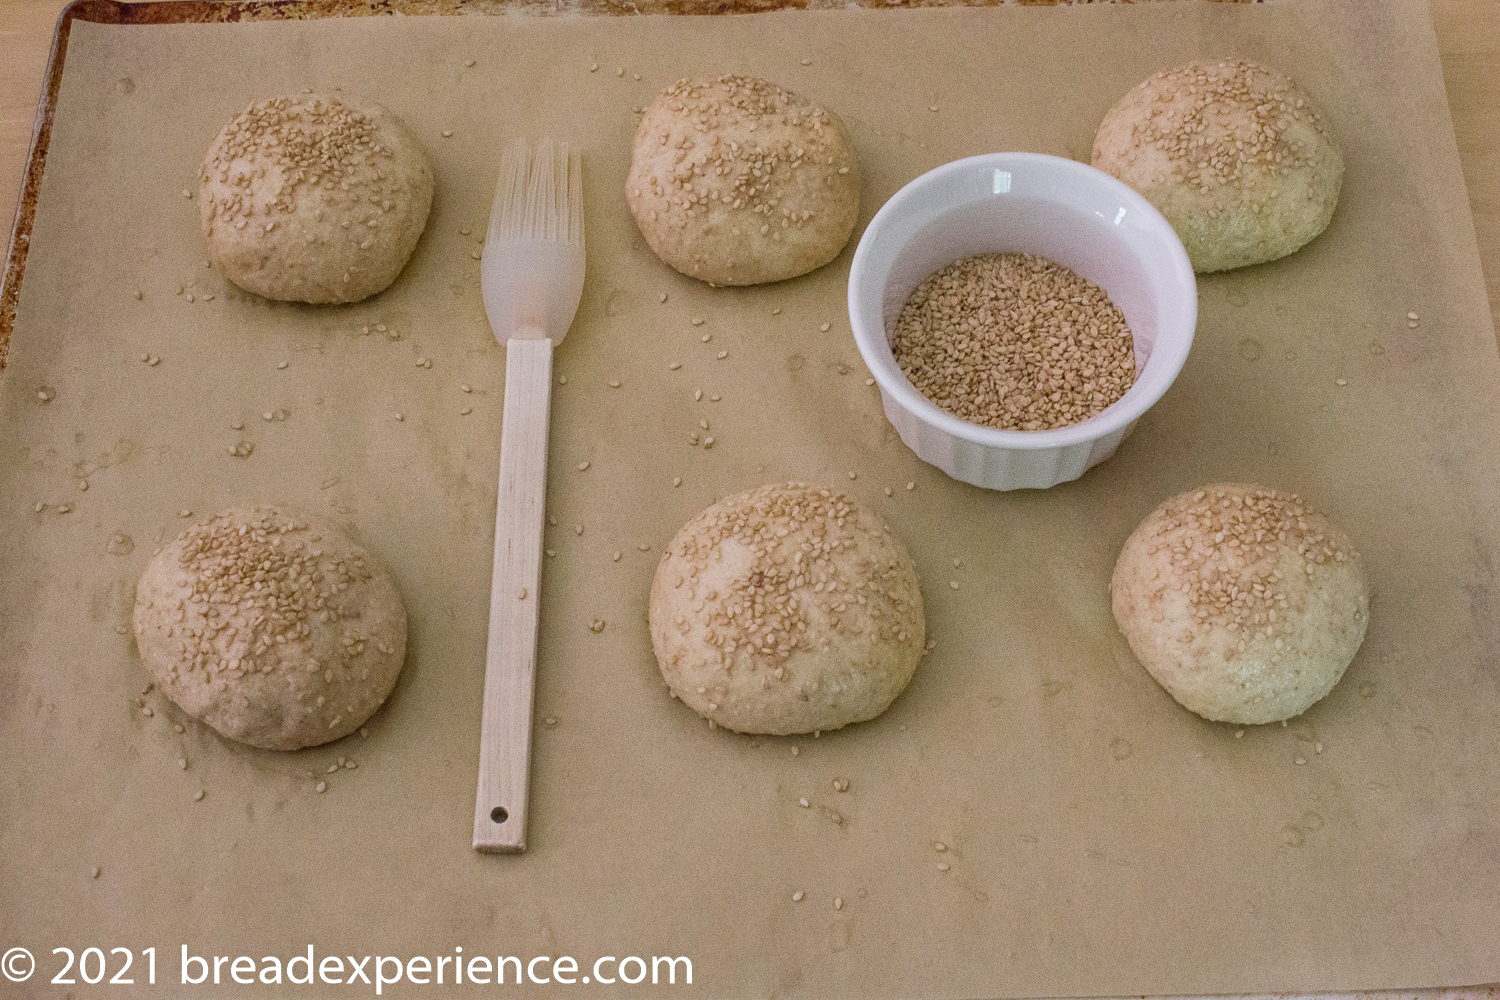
x=736 y=181
x=271 y=626
x=314 y=198
x=1243 y=602
x=1232 y=153
x=787 y=609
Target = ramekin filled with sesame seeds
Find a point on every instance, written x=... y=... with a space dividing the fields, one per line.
x=1057 y=237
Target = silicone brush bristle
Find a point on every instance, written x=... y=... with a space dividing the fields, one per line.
x=539 y=195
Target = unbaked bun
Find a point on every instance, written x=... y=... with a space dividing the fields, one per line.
x=1244 y=603
x=737 y=182
x=1232 y=153
x=314 y=198
x=274 y=628
x=787 y=609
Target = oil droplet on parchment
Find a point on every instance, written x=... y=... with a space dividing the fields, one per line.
x=120 y=544
x=1120 y=748
x=1251 y=349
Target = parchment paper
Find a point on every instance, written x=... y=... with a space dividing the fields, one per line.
x=1102 y=840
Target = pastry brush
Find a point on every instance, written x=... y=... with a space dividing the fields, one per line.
x=532 y=278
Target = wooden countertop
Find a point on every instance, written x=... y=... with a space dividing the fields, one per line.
x=1468 y=39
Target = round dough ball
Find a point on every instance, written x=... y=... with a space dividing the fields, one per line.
x=786 y=609
x=1232 y=153
x=276 y=629
x=1244 y=603
x=314 y=198
x=736 y=181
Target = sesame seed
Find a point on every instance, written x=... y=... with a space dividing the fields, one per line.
x=98 y=871
x=522 y=595
x=706 y=337
x=238 y=425
x=911 y=486
x=663 y=297
x=550 y=720
x=83 y=484
x=198 y=795
x=178 y=727
x=939 y=846
x=466 y=411
x=676 y=480
x=447 y=133
x=887 y=491
x=869 y=381
x=465 y=387
x=40 y=507
x=1300 y=760
x=723 y=355
x=422 y=362
x=476 y=255
x=775 y=310
x=1239 y=734
x=838 y=902
x=942 y=866
x=1014 y=341
x=551 y=553
x=616 y=556
x=674 y=366
x=957 y=563
x=597 y=625
x=1317 y=748
x=932 y=107
x=1340 y=381
x=620 y=71
x=594 y=68
x=796 y=751
x=803 y=803
x=708 y=442
x=268 y=416
x=182 y=763
x=399 y=417
x=614 y=383
x=468 y=62
x=697 y=394
x=321 y=787
x=577 y=529
x=953 y=584
x=807 y=62
x=154 y=361
x=190 y=296
x=562 y=380
x=824 y=327
x=64 y=508
x=138 y=295
x=797 y=896
x=1412 y=315
x=643 y=547
x=853 y=475
x=714 y=398
x=145 y=358
x=697 y=321
x=583 y=466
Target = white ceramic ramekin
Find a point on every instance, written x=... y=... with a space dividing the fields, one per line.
x=1023 y=202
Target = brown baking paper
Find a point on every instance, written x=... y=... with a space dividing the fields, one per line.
x=1101 y=839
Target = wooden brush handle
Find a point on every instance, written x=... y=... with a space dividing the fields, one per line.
x=510 y=661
